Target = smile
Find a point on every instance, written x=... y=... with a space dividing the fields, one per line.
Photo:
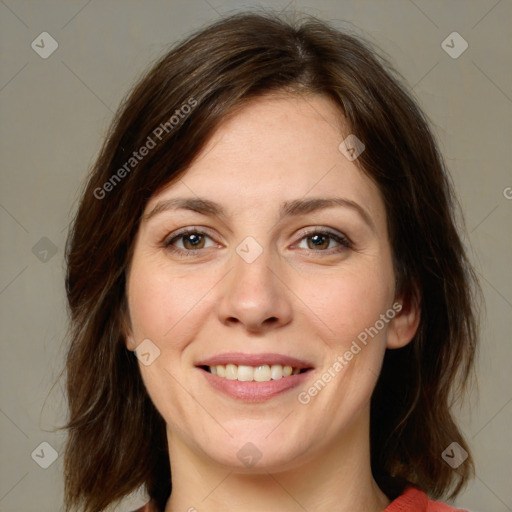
x=254 y=377
x=260 y=373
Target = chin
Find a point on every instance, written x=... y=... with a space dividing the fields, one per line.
x=256 y=454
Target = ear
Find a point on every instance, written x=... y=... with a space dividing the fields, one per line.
x=404 y=325
x=129 y=340
x=126 y=327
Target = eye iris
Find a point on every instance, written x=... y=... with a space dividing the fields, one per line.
x=317 y=238
x=194 y=239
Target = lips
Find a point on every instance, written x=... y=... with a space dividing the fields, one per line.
x=238 y=358
x=254 y=367
x=253 y=377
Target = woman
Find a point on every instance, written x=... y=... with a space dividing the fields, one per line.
x=271 y=307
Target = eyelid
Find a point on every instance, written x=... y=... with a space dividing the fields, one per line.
x=185 y=231
x=340 y=238
x=325 y=231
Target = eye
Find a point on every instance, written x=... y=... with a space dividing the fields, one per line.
x=191 y=240
x=321 y=240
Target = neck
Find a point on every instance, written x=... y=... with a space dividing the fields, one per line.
x=337 y=478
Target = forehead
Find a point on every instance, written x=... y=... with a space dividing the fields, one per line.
x=277 y=148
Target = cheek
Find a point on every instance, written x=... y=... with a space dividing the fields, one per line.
x=164 y=308
x=159 y=300
x=352 y=308
x=349 y=302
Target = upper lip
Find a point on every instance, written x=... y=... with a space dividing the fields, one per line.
x=240 y=358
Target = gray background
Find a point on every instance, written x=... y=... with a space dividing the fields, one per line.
x=55 y=111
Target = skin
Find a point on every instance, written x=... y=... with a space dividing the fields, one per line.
x=294 y=299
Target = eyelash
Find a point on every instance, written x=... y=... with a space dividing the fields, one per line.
x=344 y=242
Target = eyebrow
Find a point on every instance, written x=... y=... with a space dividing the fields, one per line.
x=288 y=208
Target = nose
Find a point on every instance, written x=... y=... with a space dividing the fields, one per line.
x=255 y=295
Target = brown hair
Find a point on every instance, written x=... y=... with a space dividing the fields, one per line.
x=117 y=439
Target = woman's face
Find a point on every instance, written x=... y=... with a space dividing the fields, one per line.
x=286 y=263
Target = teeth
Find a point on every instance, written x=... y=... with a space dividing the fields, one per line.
x=231 y=372
x=243 y=373
x=262 y=373
x=276 y=371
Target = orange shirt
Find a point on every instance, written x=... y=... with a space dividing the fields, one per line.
x=411 y=500
x=415 y=500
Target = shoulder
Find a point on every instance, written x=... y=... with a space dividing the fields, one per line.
x=415 y=500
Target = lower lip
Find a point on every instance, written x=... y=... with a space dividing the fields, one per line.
x=254 y=391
